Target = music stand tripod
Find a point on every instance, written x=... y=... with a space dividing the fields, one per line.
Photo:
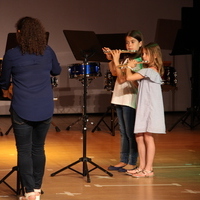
x=86 y=52
x=19 y=187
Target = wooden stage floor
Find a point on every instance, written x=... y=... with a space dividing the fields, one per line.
x=176 y=165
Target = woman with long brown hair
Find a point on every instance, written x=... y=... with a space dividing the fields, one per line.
x=29 y=66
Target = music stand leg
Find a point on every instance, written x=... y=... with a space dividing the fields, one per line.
x=83 y=159
x=19 y=188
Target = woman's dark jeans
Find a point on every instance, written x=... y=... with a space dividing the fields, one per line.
x=30 y=139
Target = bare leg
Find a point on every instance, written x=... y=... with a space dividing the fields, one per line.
x=150 y=149
x=141 y=150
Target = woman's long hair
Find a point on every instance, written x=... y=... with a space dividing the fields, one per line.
x=155 y=56
x=31 y=36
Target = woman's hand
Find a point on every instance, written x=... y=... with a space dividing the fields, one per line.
x=8 y=93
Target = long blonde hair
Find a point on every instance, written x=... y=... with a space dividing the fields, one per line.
x=155 y=56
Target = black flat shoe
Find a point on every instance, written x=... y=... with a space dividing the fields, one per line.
x=122 y=170
x=113 y=168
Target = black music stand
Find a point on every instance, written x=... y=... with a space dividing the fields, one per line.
x=19 y=187
x=1 y=94
x=183 y=47
x=85 y=46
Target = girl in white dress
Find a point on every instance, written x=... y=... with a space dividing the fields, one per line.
x=150 y=110
x=124 y=98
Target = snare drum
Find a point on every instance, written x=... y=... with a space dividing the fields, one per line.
x=78 y=70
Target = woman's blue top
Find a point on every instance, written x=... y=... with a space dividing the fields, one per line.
x=31 y=77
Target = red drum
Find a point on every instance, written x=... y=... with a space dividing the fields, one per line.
x=78 y=70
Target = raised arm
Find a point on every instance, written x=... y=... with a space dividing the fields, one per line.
x=132 y=76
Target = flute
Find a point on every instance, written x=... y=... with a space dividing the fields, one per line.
x=123 y=51
x=127 y=66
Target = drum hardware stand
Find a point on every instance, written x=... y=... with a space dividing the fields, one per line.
x=110 y=81
x=86 y=54
x=113 y=124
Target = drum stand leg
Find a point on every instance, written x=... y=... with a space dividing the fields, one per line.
x=110 y=110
